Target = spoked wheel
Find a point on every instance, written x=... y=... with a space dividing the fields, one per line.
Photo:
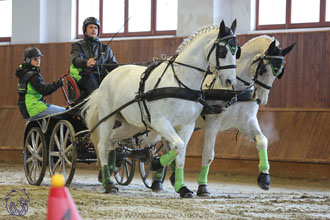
x=62 y=151
x=35 y=156
x=125 y=166
x=145 y=172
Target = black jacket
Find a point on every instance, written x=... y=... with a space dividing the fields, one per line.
x=32 y=89
x=87 y=48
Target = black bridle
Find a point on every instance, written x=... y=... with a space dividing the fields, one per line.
x=221 y=51
x=261 y=68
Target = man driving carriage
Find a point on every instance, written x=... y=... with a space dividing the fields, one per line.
x=88 y=55
x=32 y=88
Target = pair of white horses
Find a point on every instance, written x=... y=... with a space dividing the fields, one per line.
x=173 y=119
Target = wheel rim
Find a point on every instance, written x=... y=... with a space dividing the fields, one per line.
x=62 y=151
x=125 y=171
x=145 y=171
x=35 y=156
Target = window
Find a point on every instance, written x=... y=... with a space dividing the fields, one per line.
x=6 y=20
x=130 y=17
x=285 y=14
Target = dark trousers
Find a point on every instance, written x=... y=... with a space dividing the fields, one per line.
x=88 y=83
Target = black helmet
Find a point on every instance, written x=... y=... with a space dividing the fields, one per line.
x=90 y=20
x=31 y=53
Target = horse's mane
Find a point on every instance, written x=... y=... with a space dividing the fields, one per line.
x=256 y=44
x=193 y=36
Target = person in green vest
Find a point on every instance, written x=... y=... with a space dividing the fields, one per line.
x=32 y=88
x=88 y=55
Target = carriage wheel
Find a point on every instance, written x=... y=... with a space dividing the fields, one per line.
x=145 y=172
x=35 y=156
x=125 y=166
x=62 y=151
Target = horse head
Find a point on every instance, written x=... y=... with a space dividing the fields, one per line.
x=270 y=65
x=222 y=54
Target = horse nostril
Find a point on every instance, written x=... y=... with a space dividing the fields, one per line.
x=228 y=82
x=258 y=101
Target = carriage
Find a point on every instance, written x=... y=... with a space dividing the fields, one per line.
x=61 y=140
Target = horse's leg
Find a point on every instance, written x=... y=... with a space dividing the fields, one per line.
x=166 y=130
x=252 y=130
x=211 y=129
x=157 y=175
x=185 y=133
x=103 y=148
x=164 y=127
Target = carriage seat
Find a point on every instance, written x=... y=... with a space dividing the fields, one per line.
x=73 y=89
x=75 y=93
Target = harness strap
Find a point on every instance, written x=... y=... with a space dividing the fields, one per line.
x=243 y=81
x=109 y=115
x=229 y=96
x=262 y=84
x=196 y=68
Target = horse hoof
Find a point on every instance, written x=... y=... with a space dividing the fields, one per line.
x=185 y=192
x=172 y=179
x=155 y=164
x=264 y=181
x=203 y=191
x=99 y=177
x=157 y=186
x=111 y=188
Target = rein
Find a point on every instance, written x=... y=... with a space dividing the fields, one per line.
x=160 y=93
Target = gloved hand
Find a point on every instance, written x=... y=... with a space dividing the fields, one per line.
x=60 y=82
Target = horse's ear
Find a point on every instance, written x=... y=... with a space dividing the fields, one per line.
x=233 y=26
x=288 y=49
x=222 y=29
x=272 y=46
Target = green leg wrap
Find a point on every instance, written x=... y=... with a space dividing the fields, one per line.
x=263 y=160
x=178 y=179
x=172 y=166
x=158 y=175
x=166 y=159
x=112 y=161
x=202 y=177
x=106 y=176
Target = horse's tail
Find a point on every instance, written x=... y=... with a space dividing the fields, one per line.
x=91 y=112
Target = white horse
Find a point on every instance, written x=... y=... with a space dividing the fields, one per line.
x=173 y=118
x=261 y=62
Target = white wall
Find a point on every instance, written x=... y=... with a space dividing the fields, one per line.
x=44 y=21
x=26 y=21
x=194 y=14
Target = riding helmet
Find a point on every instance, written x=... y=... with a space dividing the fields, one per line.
x=90 y=20
x=31 y=53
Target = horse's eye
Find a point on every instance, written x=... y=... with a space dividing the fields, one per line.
x=276 y=62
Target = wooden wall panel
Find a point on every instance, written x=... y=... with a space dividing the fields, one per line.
x=304 y=84
x=300 y=136
x=307 y=74
x=300 y=131
x=56 y=61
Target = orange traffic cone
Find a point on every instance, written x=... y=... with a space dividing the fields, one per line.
x=60 y=202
